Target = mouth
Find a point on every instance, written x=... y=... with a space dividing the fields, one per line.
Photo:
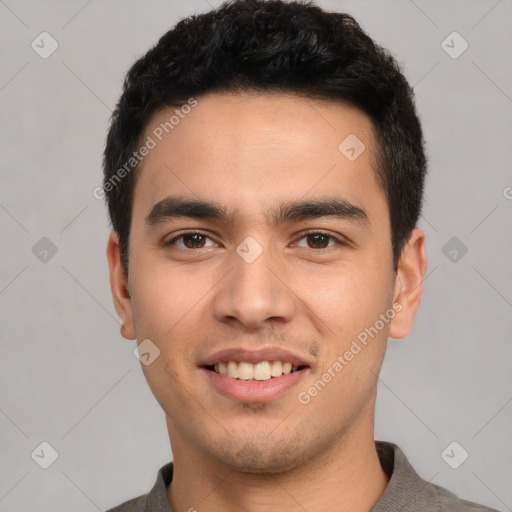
x=260 y=371
x=255 y=376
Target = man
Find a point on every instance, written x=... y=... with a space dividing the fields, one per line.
x=264 y=174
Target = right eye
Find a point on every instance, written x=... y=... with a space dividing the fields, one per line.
x=190 y=240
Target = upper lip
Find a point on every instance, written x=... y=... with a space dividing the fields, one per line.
x=255 y=356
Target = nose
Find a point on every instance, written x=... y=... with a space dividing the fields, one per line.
x=254 y=293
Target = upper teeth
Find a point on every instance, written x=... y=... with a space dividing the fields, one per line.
x=259 y=371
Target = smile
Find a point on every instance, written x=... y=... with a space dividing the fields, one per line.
x=264 y=370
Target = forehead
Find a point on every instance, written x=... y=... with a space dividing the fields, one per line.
x=253 y=149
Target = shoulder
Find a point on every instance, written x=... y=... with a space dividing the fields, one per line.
x=442 y=500
x=156 y=499
x=134 y=505
x=406 y=490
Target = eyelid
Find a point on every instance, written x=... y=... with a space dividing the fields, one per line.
x=185 y=233
x=339 y=239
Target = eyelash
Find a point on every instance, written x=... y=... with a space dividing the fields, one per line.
x=304 y=235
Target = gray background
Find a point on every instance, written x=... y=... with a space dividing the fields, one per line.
x=67 y=376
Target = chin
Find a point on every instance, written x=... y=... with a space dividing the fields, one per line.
x=265 y=459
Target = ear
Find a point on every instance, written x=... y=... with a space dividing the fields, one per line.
x=119 y=287
x=409 y=284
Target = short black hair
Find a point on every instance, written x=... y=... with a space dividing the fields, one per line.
x=272 y=46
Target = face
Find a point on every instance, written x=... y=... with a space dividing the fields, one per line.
x=257 y=238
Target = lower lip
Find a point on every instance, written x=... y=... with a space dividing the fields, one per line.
x=255 y=390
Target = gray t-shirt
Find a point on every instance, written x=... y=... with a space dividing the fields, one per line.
x=406 y=491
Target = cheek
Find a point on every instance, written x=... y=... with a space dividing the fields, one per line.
x=347 y=311
x=164 y=296
x=167 y=303
x=346 y=301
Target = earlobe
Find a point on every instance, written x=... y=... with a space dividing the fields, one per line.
x=126 y=333
x=409 y=284
x=119 y=287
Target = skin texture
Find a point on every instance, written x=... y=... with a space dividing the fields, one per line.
x=250 y=153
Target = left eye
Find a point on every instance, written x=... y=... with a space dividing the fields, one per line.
x=318 y=240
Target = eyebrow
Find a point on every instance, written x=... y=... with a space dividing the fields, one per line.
x=175 y=206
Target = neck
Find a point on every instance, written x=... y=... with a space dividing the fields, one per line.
x=348 y=477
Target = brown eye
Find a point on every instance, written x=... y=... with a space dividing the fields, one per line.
x=318 y=240
x=194 y=241
x=190 y=240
